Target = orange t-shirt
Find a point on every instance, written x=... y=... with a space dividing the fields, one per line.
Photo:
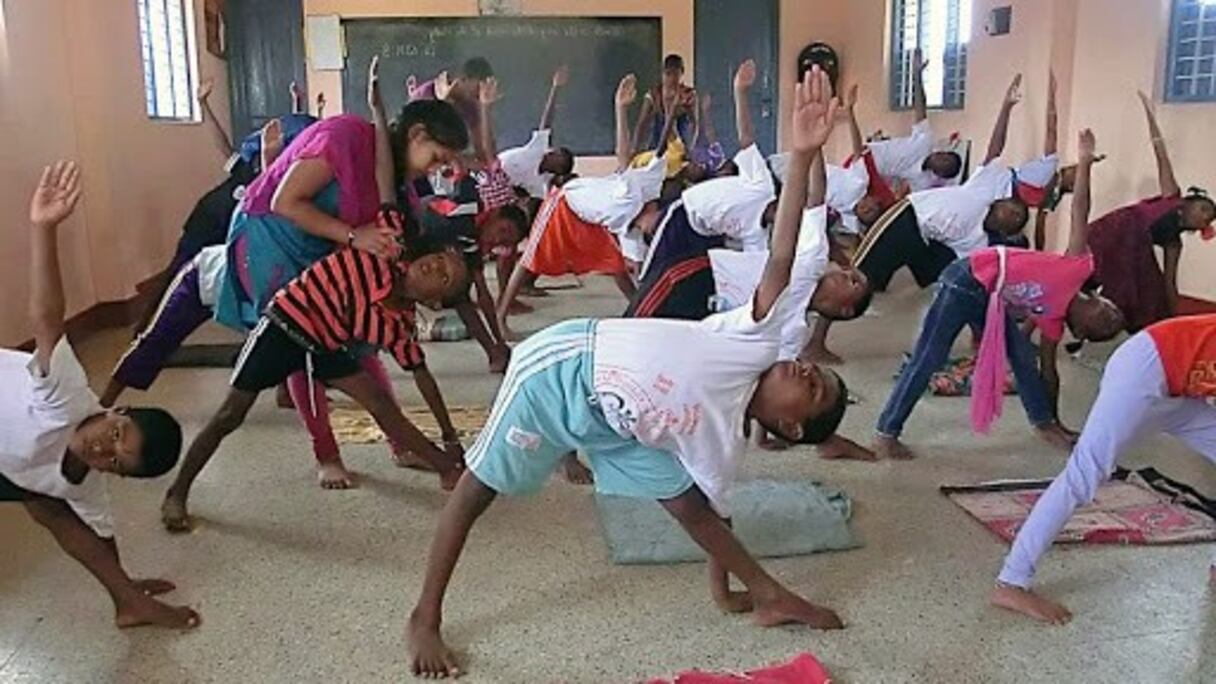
x=1187 y=347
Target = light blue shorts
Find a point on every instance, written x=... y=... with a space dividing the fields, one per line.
x=546 y=408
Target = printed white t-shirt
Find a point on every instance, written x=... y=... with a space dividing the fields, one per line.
x=955 y=216
x=522 y=164
x=684 y=386
x=733 y=206
x=39 y=413
x=615 y=201
x=904 y=158
x=846 y=186
x=738 y=274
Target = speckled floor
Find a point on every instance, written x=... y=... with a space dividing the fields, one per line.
x=300 y=585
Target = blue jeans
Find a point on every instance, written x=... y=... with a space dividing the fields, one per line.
x=962 y=301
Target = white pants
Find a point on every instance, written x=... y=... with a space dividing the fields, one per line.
x=1133 y=404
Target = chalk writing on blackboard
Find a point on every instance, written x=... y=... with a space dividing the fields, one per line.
x=391 y=50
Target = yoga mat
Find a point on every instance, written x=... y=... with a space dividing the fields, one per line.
x=1127 y=510
x=356 y=426
x=773 y=519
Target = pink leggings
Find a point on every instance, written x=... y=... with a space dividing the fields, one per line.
x=324 y=444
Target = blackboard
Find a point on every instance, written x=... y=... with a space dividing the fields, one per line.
x=524 y=52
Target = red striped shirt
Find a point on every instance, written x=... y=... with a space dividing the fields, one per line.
x=342 y=300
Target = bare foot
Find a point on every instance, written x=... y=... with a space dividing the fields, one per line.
x=146 y=611
x=790 y=608
x=430 y=658
x=1027 y=602
x=1056 y=436
x=408 y=459
x=334 y=475
x=845 y=450
x=173 y=515
x=735 y=602
x=822 y=355
x=517 y=307
x=575 y=472
x=891 y=448
x=154 y=587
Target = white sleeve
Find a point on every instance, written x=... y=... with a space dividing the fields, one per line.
x=736 y=274
x=62 y=394
x=752 y=165
x=522 y=164
x=780 y=165
x=742 y=320
x=846 y=186
x=991 y=182
x=1039 y=172
x=903 y=157
x=91 y=502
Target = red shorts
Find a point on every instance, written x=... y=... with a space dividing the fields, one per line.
x=562 y=243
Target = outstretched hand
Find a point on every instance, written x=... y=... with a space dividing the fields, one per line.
x=1014 y=94
x=561 y=77
x=1087 y=146
x=745 y=76
x=814 y=111
x=443 y=86
x=56 y=195
x=627 y=91
x=487 y=92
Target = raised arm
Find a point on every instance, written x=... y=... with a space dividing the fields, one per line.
x=650 y=109
x=671 y=112
x=818 y=191
x=53 y=201
x=1165 y=169
x=487 y=95
x=297 y=97
x=222 y=141
x=1051 y=144
x=745 y=77
x=320 y=105
x=560 y=78
x=294 y=201
x=1078 y=243
x=850 y=108
x=919 y=105
x=1000 y=132
x=385 y=173
x=626 y=94
x=813 y=118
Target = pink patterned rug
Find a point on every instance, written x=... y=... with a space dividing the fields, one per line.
x=1122 y=513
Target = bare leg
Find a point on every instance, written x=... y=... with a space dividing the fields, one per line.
x=891 y=448
x=842 y=448
x=625 y=284
x=1029 y=603
x=225 y=421
x=774 y=604
x=719 y=587
x=575 y=471
x=429 y=656
x=817 y=347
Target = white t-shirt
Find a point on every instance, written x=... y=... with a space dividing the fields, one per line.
x=211 y=263
x=522 y=164
x=684 y=386
x=738 y=274
x=733 y=206
x=38 y=416
x=1039 y=171
x=955 y=216
x=904 y=158
x=845 y=188
x=607 y=201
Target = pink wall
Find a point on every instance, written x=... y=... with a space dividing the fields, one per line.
x=71 y=86
x=1101 y=51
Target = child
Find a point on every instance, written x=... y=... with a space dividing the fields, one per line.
x=1159 y=381
x=1123 y=241
x=534 y=165
x=345 y=301
x=1043 y=287
x=670 y=92
x=56 y=441
x=605 y=386
x=591 y=225
x=912 y=160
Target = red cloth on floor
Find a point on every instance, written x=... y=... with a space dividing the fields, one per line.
x=803 y=669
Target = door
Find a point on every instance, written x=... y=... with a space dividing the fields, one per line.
x=265 y=54
x=726 y=33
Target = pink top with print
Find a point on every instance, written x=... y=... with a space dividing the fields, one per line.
x=1038 y=285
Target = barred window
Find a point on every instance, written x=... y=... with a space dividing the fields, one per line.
x=166 y=39
x=1192 y=52
x=941 y=29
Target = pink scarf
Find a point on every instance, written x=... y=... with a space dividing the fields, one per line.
x=988 y=382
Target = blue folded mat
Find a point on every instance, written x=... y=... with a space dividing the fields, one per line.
x=773 y=519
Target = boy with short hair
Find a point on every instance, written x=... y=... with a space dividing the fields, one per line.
x=56 y=440
x=658 y=421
